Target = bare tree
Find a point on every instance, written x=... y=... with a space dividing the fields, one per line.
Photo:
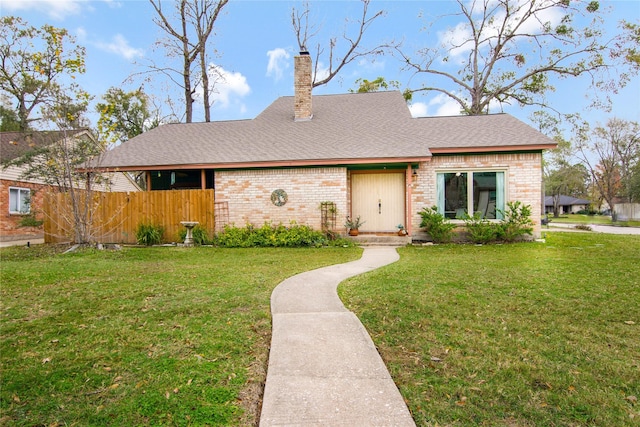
x=188 y=40
x=508 y=51
x=203 y=15
x=611 y=153
x=305 y=32
x=57 y=157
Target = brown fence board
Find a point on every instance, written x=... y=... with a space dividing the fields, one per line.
x=116 y=216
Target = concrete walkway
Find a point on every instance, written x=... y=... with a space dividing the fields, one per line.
x=323 y=367
x=34 y=241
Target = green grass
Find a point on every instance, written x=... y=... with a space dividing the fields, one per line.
x=528 y=334
x=499 y=335
x=142 y=336
x=591 y=219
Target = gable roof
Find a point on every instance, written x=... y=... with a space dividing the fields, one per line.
x=13 y=145
x=482 y=133
x=17 y=144
x=566 y=201
x=345 y=129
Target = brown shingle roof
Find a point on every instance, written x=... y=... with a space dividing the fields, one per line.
x=17 y=144
x=347 y=128
x=492 y=132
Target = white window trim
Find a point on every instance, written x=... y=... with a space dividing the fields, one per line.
x=20 y=190
x=469 y=172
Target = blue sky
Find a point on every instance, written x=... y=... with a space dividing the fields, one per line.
x=255 y=44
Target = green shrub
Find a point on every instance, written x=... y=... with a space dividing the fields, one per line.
x=149 y=234
x=584 y=227
x=199 y=234
x=481 y=230
x=436 y=225
x=30 y=221
x=270 y=235
x=234 y=237
x=517 y=221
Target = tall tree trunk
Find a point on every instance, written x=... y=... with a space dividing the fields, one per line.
x=205 y=84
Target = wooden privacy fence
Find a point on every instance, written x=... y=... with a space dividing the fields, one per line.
x=116 y=216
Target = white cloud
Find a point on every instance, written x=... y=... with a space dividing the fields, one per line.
x=120 y=46
x=418 y=109
x=322 y=73
x=371 y=63
x=113 y=4
x=56 y=9
x=458 y=38
x=278 y=62
x=81 y=34
x=444 y=105
x=439 y=105
x=228 y=86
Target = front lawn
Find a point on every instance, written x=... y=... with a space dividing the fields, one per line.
x=591 y=219
x=581 y=219
x=142 y=336
x=527 y=334
x=500 y=335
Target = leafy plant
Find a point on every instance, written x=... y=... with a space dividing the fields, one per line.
x=30 y=221
x=270 y=235
x=149 y=234
x=517 y=221
x=199 y=234
x=481 y=230
x=353 y=224
x=401 y=229
x=436 y=225
x=584 y=227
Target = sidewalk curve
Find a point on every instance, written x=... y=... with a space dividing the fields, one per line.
x=323 y=367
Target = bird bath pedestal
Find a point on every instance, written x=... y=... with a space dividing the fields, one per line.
x=188 y=240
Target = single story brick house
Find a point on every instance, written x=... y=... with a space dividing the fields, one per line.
x=567 y=204
x=361 y=151
x=22 y=197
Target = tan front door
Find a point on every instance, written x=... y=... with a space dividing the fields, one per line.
x=379 y=199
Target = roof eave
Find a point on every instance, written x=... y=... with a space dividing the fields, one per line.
x=492 y=149
x=264 y=164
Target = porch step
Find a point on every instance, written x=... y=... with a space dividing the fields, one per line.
x=380 y=240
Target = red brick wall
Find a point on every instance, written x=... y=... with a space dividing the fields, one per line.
x=10 y=228
x=248 y=193
x=523 y=180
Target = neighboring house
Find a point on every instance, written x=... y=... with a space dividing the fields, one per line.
x=566 y=204
x=22 y=198
x=362 y=151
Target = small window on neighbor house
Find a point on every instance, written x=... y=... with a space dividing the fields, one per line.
x=466 y=192
x=19 y=200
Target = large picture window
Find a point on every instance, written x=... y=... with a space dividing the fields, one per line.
x=467 y=192
x=19 y=200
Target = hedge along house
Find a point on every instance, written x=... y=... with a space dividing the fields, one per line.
x=361 y=151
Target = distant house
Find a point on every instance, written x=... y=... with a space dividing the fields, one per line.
x=20 y=197
x=363 y=152
x=567 y=204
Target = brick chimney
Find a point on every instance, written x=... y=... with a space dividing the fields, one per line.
x=303 y=86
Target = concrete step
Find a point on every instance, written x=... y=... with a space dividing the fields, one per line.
x=380 y=240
